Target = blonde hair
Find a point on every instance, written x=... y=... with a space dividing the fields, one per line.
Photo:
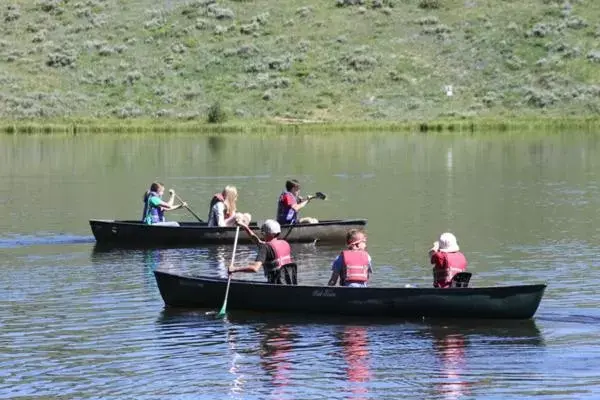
x=230 y=195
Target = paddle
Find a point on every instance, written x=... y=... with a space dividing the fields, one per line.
x=321 y=196
x=224 y=308
x=318 y=195
x=189 y=209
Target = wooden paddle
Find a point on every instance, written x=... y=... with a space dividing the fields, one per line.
x=189 y=209
x=224 y=308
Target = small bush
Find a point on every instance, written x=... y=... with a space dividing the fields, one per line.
x=216 y=114
x=594 y=56
x=61 y=59
x=428 y=20
x=12 y=14
x=429 y=4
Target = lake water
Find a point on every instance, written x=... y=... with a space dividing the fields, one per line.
x=81 y=322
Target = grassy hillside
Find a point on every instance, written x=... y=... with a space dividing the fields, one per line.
x=331 y=60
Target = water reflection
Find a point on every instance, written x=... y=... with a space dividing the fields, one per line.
x=218 y=259
x=269 y=354
x=237 y=386
x=450 y=349
x=140 y=262
x=276 y=343
x=157 y=259
x=354 y=343
x=216 y=144
x=453 y=340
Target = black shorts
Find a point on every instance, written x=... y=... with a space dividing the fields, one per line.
x=286 y=275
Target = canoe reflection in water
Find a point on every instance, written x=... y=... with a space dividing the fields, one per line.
x=355 y=348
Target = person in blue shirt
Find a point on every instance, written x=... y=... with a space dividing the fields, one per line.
x=290 y=203
x=353 y=266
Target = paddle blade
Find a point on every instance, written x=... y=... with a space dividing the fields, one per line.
x=223 y=311
x=321 y=195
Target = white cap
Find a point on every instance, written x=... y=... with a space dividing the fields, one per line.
x=448 y=243
x=271 y=227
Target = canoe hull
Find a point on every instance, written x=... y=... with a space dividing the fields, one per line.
x=135 y=233
x=503 y=302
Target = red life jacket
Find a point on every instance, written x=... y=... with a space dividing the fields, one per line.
x=218 y=197
x=283 y=253
x=286 y=215
x=355 y=266
x=451 y=264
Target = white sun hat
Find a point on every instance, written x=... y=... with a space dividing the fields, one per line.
x=270 y=226
x=448 y=243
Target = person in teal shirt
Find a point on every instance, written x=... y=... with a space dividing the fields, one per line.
x=155 y=206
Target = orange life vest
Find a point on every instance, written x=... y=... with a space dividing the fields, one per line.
x=355 y=266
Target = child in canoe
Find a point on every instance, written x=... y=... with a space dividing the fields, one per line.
x=155 y=206
x=274 y=255
x=223 y=209
x=447 y=260
x=353 y=266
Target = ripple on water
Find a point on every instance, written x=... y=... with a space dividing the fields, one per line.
x=94 y=326
x=19 y=240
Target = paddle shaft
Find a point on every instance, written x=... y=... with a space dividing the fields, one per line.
x=189 y=209
x=224 y=308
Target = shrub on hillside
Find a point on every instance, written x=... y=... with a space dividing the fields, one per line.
x=540 y=98
x=216 y=114
x=540 y=30
x=346 y=3
x=61 y=59
x=304 y=11
x=51 y=6
x=12 y=13
x=428 y=20
x=594 y=56
x=220 y=13
x=429 y=4
x=576 y=23
x=250 y=28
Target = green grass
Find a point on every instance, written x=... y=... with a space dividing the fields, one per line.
x=140 y=65
x=267 y=126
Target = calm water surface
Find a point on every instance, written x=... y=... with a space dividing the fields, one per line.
x=77 y=321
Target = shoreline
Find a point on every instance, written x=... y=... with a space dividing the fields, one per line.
x=291 y=125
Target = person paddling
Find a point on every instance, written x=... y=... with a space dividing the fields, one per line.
x=222 y=207
x=353 y=266
x=155 y=207
x=274 y=255
x=447 y=260
x=290 y=203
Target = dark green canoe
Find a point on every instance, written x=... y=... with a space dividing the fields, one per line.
x=498 y=302
x=136 y=233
